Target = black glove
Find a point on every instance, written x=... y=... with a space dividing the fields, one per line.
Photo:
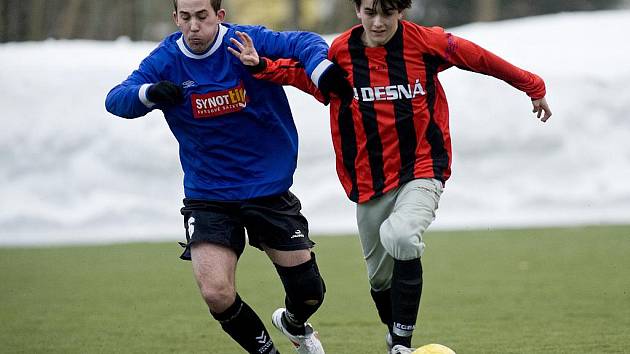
x=165 y=93
x=262 y=65
x=333 y=80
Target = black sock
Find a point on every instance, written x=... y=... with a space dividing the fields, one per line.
x=294 y=327
x=406 y=293
x=246 y=328
x=383 y=302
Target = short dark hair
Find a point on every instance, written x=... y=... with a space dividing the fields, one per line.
x=216 y=5
x=399 y=5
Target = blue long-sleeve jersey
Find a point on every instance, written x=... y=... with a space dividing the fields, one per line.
x=237 y=139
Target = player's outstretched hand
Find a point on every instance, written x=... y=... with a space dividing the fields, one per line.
x=245 y=50
x=165 y=93
x=334 y=81
x=541 y=108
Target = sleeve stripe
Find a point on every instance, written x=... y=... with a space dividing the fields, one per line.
x=319 y=70
x=142 y=95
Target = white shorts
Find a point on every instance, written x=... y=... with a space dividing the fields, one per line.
x=391 y=227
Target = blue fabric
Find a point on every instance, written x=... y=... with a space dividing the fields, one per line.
x=244 y=143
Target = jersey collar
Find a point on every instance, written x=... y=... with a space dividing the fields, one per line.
x=217 y=43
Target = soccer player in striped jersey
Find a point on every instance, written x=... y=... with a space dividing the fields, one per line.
x=391 y=136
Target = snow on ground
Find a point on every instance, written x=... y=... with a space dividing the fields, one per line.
x=73 y=173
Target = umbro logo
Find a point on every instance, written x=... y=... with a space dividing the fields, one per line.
x=262 y=338
x=188 y=84
x=266 y=343
x=297 y=233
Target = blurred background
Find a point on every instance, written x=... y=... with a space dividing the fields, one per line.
x=72 y=172
x=32 y=20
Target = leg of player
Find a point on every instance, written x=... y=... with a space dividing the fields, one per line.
x=304 y=288
x=401 y=235
x=214 y=267
x=380 y=265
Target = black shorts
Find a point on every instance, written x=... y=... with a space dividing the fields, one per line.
x=275 y=221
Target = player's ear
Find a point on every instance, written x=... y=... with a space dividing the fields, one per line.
x=221 y=15
x=175 y=18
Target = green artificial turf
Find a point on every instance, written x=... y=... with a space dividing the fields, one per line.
x=561 y=290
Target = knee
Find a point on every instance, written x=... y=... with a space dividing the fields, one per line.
x=303 y=283
x=402 y=238
x=218 y=297
x=312 y=302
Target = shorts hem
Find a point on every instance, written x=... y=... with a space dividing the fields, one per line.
x=293 y=247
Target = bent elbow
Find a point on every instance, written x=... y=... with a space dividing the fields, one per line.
x=115 y=105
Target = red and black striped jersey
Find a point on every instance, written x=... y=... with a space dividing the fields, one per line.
x=397 y=127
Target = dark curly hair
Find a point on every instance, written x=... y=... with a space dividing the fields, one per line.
x=399 y=5
x=216 y=5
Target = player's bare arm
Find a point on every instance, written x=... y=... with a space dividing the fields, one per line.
x=245 y=50
x=541 y=108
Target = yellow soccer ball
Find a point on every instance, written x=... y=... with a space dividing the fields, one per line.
x=434 y=349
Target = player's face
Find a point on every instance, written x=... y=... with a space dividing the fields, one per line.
x=198 y=22
x=379 y=24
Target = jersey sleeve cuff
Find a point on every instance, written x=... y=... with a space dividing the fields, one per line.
x=142 y=95
x=319 y=70
x=257 y=69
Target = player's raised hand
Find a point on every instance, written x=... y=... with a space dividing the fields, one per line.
x=245 y=50
x=541 y=108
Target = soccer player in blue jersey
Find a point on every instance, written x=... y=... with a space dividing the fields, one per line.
x=238 y=150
